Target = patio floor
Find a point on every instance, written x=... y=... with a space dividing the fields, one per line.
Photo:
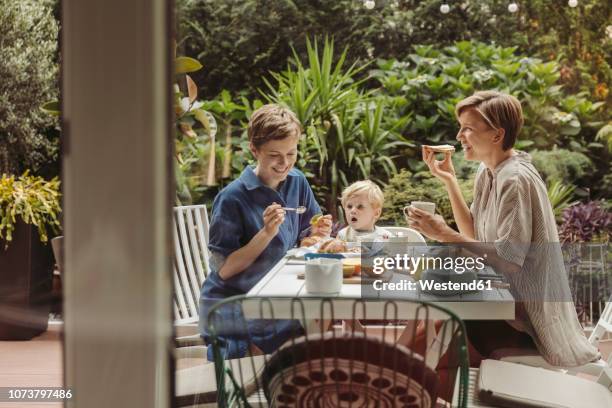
x=38 y=363
x=34 y=363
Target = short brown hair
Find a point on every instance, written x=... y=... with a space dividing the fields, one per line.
x=499 y=110
x=272 y=122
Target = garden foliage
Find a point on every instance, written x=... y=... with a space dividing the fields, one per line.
x=586 y=222
x=249 y=38
x=28 y=78
x=30 y=199
x=345 y=136
x=429 y=82
x=369 y=120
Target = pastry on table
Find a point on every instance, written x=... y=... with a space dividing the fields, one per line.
x=333 y=246
x=312 y=240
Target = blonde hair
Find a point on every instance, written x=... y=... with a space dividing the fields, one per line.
x=499 y=110
x=375 y=194
x=272 y=122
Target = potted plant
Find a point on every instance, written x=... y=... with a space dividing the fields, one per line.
x=29 y=210
x=585 y=233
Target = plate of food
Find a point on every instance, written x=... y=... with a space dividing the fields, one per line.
x=326 y=245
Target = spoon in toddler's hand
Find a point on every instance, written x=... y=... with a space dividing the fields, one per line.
x=299 y=210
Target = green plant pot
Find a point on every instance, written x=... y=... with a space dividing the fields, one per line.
x=26 y=270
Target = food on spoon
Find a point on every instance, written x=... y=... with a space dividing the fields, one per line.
x=315 y=219
x=333 y=246
x=441 y=148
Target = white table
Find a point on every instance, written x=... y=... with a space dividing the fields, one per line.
x=282 y=282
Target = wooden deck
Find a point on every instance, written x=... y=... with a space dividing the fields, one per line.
x=39 y=363
x=34 y=363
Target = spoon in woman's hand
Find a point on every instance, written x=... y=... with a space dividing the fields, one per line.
x=299 y=210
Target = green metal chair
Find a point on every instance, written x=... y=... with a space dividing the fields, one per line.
x=325 y=365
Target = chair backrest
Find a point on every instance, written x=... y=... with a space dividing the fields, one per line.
x=305 y=367
x=191 y=260
x=604 y=324
x=367 y=371
x=408 y=233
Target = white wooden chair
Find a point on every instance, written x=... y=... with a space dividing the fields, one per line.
x=195 y=385
x=604 y=324
x=521 y=385
x=191 y=267
x=537 y=370
x=191 y=261
x=533 y=359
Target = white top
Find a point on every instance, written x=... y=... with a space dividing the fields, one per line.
x=512 y=211
x=349 y=234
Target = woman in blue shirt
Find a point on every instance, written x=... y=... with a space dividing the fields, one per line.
x=250 y=232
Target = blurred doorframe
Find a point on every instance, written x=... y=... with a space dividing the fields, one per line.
x=117 y=69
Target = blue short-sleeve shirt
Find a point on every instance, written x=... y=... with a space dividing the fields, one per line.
x=237 y=215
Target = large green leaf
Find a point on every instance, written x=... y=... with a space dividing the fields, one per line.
x=52 y=108
x=184 y=65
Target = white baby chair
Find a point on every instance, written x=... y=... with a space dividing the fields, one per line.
x=408 y=233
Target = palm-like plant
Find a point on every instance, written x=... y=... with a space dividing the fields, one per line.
x=346 y=138
x=560 y=197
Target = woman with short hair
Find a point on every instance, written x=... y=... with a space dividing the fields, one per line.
x=250 y=231
x=511 y=222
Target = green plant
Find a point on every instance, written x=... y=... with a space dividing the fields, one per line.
x=29 y=72
x=586 y=222
x=605 y=135
x=560 y=197
x=346 y=137
x=31 y=198
x=562 y=165
x=195 y=145
x=430 y=81
x=249 y=38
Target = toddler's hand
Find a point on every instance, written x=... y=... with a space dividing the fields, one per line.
x=323 y=226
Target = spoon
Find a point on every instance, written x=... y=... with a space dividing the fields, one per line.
x=299 y=210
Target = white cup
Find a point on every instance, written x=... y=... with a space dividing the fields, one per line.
x=421 y=205
x=323 y=276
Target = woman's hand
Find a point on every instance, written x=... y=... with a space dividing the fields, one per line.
x=323 y=226
x=442 y=169
x=273 y=217
x=432 y=226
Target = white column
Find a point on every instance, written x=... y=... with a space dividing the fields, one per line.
x=117 y=139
